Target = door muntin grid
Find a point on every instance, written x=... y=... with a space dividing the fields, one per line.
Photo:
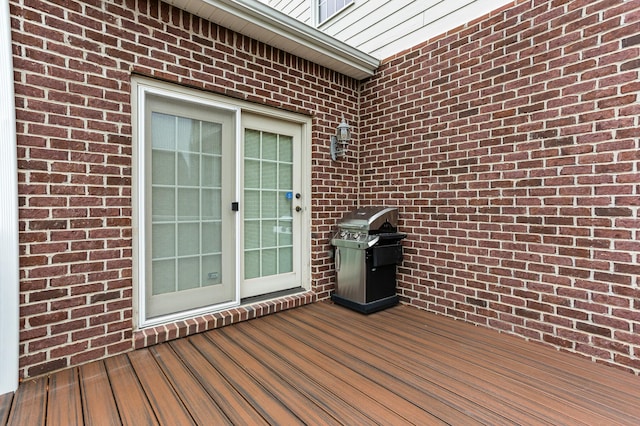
x=189 y=175
x=268 y=204
x=186 y=207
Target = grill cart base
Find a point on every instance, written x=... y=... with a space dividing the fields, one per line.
x=366 y=308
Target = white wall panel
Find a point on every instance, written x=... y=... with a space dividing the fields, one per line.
x=9 y=277
x=302 y=12
x=383 y=28
x=299 y=9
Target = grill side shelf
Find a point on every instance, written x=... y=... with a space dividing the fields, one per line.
x=391 y=236
x=362 y=245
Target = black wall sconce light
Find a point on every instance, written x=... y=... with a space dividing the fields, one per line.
x=340 y=140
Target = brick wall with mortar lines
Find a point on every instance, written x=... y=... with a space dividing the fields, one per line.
x=73 y=64
x=512 y=147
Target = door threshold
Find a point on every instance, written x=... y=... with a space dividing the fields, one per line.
x=261 y=305
x=272 y=295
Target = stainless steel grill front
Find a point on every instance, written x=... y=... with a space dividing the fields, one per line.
x=367 y=250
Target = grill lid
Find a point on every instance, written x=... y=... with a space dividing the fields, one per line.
x=371 y=218
x=367 y=226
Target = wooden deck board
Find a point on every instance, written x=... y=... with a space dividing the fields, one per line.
x=202 y=407
x=267 y=404
x=29 y=404
x=511 y=392
x=98 y=404
x=299 y=404
x=594 y=389
x=166 y=404
x=312 y=359
x=324 y=364
x=323 y=379
x=471 y=393
x=64 y=406
x=316 y=389
x=559 y=364
x=410 y=383
x=5 y=407
x=546 y=370
x=133 y=405
x=237 y=409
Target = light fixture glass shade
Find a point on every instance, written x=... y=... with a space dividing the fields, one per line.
x=344 y=131
x=340 y=140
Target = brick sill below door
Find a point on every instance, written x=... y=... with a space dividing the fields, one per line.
x=165 y=332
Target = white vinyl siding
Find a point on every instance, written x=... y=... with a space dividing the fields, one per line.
x=382 y=28
x=298 y=9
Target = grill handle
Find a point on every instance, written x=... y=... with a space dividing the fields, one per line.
x=338 y=259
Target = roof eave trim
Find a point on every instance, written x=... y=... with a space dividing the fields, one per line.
x=259 y=21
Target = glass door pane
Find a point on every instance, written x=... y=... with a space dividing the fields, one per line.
x=268 y=203
x=269 y=200
x=191 y=179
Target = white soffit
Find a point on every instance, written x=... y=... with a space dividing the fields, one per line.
x=265 y=24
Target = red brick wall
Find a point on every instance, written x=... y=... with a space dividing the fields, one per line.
x=73 y=64
x=512 y=147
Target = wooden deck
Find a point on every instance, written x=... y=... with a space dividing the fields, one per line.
x=323 y=364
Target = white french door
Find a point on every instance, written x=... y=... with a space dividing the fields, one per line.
x=273 y=205
x=190 y=231
x=219 y=190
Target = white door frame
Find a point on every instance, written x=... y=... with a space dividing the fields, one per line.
x=142 y=87
x=143 y=84
x=9 y=277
